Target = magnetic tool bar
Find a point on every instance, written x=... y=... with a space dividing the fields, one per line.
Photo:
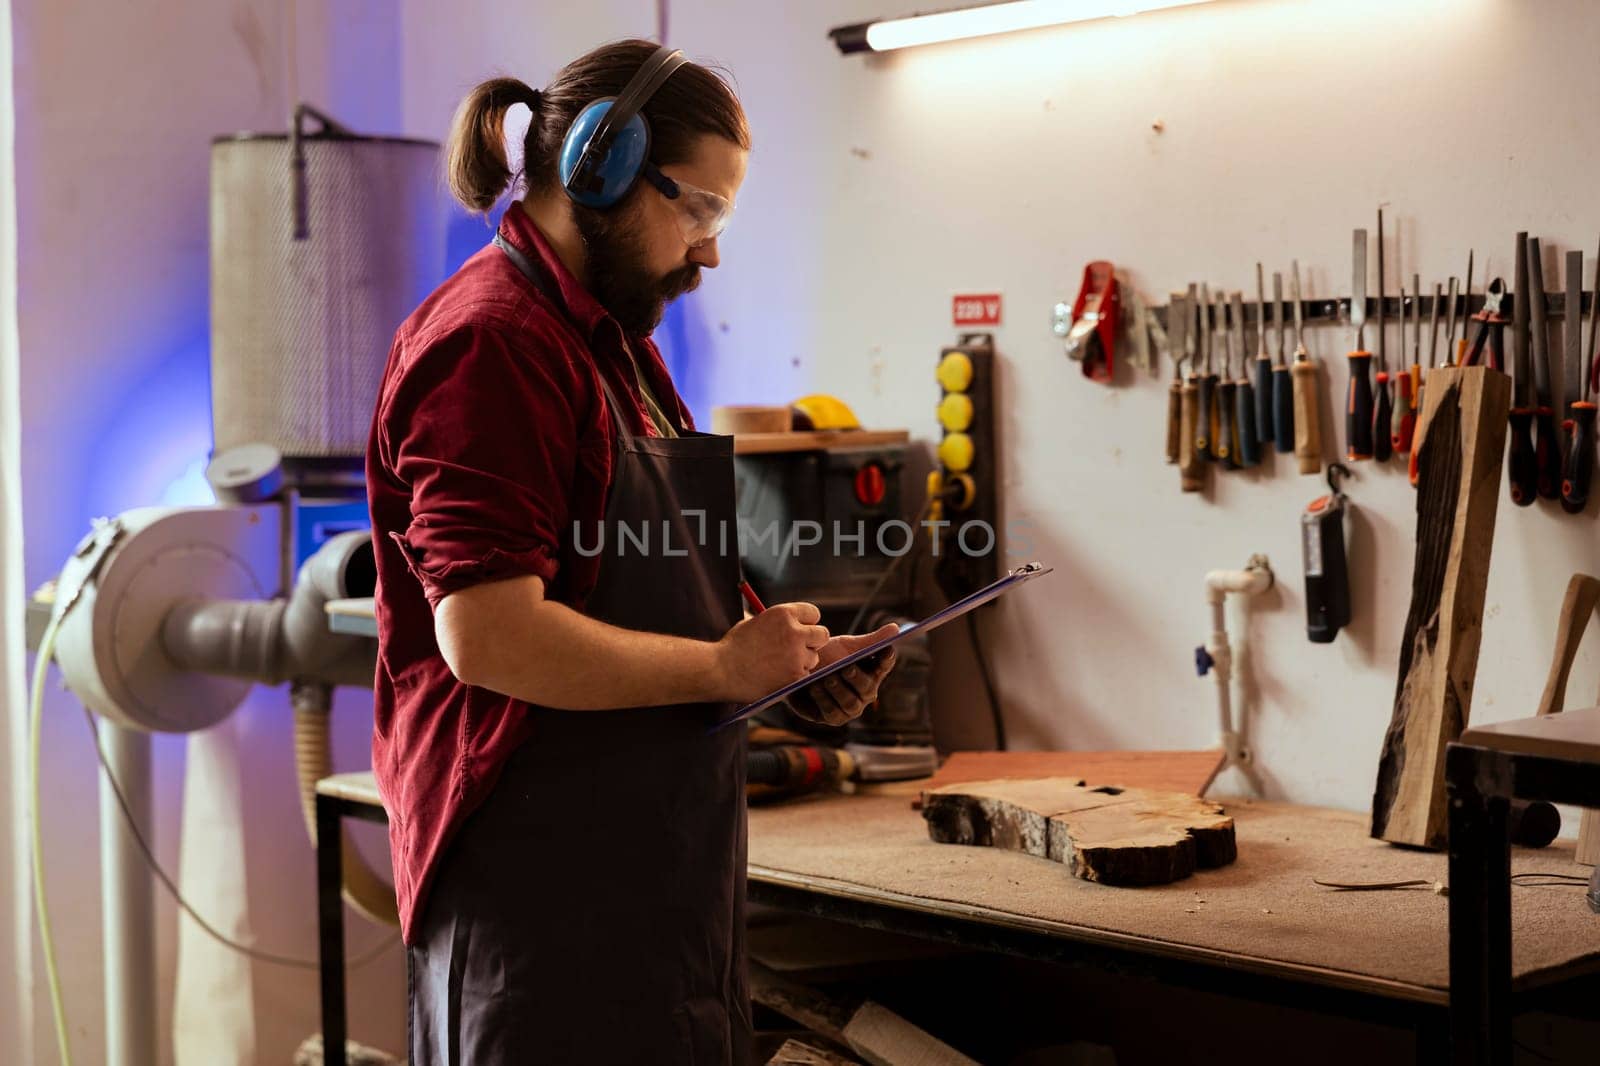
x=1336 y=310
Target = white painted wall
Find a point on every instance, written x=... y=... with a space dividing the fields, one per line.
x=879 y=186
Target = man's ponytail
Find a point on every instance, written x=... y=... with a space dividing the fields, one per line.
x=476 y=155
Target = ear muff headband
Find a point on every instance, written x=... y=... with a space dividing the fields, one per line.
x=609 y=142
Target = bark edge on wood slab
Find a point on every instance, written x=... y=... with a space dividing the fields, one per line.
x=1116 y=836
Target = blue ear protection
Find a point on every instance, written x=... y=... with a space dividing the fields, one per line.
x=608 y=145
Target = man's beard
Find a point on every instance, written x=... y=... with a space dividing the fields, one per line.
x=614 y=257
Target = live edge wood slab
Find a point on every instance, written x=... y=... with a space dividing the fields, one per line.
x=1460 y=445
x=1116 y=836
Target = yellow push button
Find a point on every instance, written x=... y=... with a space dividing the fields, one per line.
x=955 y=452
x=955 y=371
x=955 y=411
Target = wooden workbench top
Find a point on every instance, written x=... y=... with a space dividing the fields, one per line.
x=1263 y=913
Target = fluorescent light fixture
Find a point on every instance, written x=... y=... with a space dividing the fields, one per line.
x=985 y=20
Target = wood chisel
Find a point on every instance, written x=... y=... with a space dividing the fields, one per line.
x=1207 y=424
x=1248 y=449
x=1176 y=312
x=1522 y=471
x=1191 y=464
x=1401 y=383
x=1382 y=415
x=1433 y=361
x=1466 y=313
x=1227 y=443
x=1450 y=330
x=1263 y=388
x=1307 y=430
x=1578 y=458
x=1407 y=383
x=1358 y=405
x=1546 y=446
x=1282 y=383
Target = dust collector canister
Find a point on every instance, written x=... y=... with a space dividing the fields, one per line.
x=301 y=326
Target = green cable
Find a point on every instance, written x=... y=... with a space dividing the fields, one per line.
x=41 y=666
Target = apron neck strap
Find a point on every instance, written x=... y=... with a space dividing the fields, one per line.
x=540 y=282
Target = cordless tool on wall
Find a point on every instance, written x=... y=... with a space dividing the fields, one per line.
x=1327 y=570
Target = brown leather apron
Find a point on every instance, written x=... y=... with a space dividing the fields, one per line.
x=592 y=910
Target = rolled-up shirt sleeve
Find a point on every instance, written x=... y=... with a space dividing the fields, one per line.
x=486 y=440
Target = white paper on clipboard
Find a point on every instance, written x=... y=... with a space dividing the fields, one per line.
x=1021 y=575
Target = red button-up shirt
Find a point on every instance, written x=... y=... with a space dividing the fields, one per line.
x=490 y=441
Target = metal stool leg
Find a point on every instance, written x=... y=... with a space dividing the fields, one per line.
x=1480 y=911
x=330 y=928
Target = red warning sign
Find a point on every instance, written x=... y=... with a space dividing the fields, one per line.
x=976 y=309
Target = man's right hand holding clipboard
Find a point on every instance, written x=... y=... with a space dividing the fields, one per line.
x=868 y=669
x=837 y=697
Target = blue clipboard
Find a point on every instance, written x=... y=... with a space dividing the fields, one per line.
x=1020 y=576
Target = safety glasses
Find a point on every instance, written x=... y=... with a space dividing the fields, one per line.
x=702 y=215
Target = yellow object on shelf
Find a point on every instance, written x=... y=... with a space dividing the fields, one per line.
x=955 y=452
x=955 y=371
x=955 y=412
x=826 y=412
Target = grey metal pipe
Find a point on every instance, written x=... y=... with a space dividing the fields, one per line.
x=284 y=639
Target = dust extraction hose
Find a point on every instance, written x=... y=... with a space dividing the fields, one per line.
x=363 y=888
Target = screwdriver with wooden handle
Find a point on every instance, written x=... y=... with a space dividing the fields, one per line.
x=1282 y=382
x=1307 y=430
x=1358 y=404
x=1579 y=423
x=1263 y=386
x=1177 y=339
x=1191 y=464
x=1248 y=451
x=1206 y=424
x=1579 y=467
x=1227 y=442
x=1382 y=415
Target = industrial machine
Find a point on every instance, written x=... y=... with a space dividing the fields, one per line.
x=829 y=526
x=322 y=241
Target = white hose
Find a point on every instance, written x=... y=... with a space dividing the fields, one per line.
x=41 y=666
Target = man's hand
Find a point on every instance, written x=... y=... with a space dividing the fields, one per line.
x=769 y=650
x=840 y=697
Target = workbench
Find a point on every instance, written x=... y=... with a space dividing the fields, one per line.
x=1258 y=929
